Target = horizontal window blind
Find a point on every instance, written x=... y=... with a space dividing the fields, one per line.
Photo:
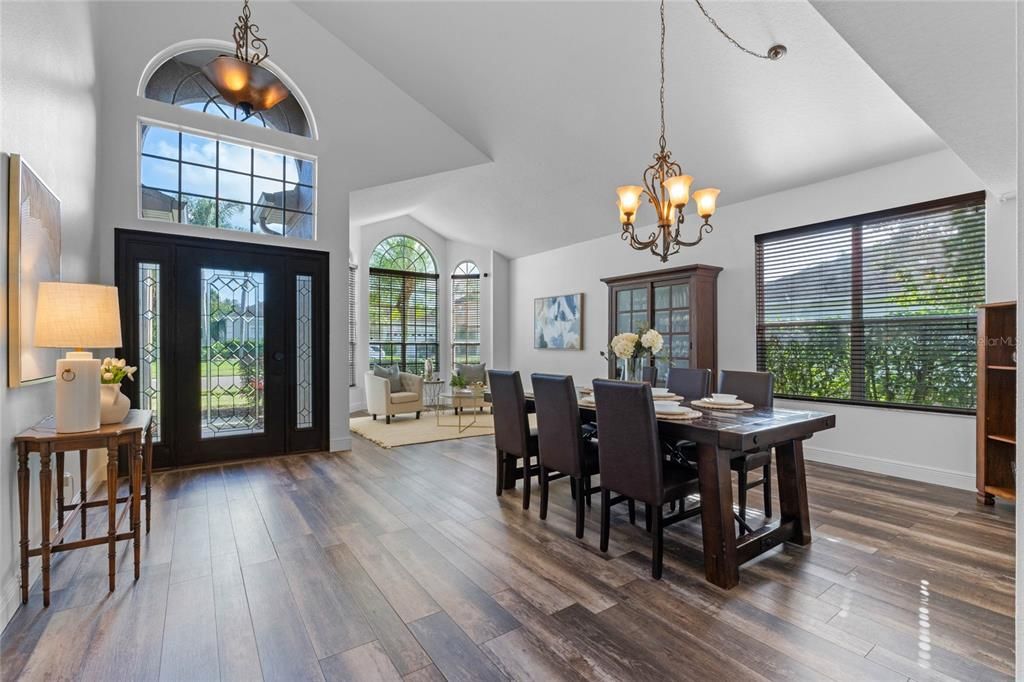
x=876 y=309
x=466 y=314
x=353 y=321
x=403 y=318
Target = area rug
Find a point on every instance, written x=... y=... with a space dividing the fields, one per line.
x=407 y=430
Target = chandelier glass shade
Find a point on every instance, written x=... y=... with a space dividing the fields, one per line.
x=240 y=79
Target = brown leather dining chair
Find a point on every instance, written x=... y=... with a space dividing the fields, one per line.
x=513 y=438
x=632 y=463
x=758 y=389
x=566 y=448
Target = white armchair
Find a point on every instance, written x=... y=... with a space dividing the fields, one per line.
x=381 y=400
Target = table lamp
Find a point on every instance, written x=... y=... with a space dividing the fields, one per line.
x=73 y=315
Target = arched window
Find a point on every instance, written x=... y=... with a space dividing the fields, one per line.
x=180 y=81
x=403 y=304
x=466 y=313
x=210 y=180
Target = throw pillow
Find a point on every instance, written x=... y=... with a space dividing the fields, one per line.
x=473 y=373
x=391 y=374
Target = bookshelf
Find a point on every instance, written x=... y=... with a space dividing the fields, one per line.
x=997 y=384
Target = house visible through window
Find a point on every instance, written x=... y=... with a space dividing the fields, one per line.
x=403 y=304
x=876 y=309
x=196 y=180
x=466 y=313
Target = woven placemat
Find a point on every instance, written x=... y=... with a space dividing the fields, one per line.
x=716 y=406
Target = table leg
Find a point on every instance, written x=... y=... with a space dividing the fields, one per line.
x=111 y=508
x=45 y=495
x=83 y=486
x=60 y=492
x=23 y=516
x=149 y=472
x=719 y=534
x=137 y=464
x=792 y=484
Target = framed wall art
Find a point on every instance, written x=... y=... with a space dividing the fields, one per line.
x=33 y=256
x=558 y=322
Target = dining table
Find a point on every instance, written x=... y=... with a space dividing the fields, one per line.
x=721 y=435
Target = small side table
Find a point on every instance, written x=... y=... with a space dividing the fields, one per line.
x=432 y=392
x=135 y=432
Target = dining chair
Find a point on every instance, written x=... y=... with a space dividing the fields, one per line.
x=632 y=463
x=756 y=388
x=513 y=437
x=649 y=374
x=566 y=446
x=691 y=383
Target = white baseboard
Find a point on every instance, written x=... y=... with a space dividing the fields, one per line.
x=890 y=467
x=341 y=444
x=11 y=588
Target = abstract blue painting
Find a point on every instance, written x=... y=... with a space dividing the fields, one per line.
x=558 y=322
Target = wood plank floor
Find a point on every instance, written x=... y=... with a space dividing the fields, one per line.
x=391 y=564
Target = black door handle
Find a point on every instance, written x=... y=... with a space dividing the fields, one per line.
x=279 y=356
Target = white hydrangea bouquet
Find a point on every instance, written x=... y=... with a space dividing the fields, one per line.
x=116 y=370
x=632 y=347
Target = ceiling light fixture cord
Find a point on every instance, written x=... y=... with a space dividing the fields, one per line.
x=661 y=140
x=774 y=53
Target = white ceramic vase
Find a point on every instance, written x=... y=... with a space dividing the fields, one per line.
x=114 y=405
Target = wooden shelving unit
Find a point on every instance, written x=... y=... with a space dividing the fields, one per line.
x=997 y=385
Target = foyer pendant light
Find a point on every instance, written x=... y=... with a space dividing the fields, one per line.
x=665 y=186
x=240 y=79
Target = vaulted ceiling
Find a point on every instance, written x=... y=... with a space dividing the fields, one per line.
x=563 y=98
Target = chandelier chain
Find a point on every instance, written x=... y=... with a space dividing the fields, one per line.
x=726 y=36
x=661 y=140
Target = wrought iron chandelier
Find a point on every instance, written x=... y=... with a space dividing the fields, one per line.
x=240 y=79
x=666 y=187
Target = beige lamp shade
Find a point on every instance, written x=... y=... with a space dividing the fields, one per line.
x=73 y=315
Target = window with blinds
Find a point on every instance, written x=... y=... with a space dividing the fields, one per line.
x=466 y=314
x=353 y=321
x=403 y=319
x=877 y=309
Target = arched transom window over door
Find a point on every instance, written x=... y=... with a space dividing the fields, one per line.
x=403 y=304
x=466 y=313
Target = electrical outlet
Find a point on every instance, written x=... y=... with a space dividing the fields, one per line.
x=69 y=487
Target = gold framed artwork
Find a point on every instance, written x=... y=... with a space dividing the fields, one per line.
x=33 y=256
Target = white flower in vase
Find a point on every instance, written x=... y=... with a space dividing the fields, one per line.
x=653 y=341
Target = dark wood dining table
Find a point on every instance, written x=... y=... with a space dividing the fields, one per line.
x=721 y=435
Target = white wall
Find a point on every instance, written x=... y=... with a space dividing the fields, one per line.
x=48 y=114
x=447 y=254
x=932 y=447
x=365 y=123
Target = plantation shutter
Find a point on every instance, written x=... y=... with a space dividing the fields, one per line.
x=876 y=309
x=353 y=321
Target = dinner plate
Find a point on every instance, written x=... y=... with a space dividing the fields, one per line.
x=712 y=401
x=659 y=391
x=666 y=408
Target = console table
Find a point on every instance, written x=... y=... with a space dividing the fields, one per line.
x=135 y=432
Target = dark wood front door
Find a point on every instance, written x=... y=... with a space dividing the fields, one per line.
x=230 y=342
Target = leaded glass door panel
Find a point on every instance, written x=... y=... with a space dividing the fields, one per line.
x=232 y=354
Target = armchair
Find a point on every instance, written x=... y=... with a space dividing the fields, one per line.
x=380 y=400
